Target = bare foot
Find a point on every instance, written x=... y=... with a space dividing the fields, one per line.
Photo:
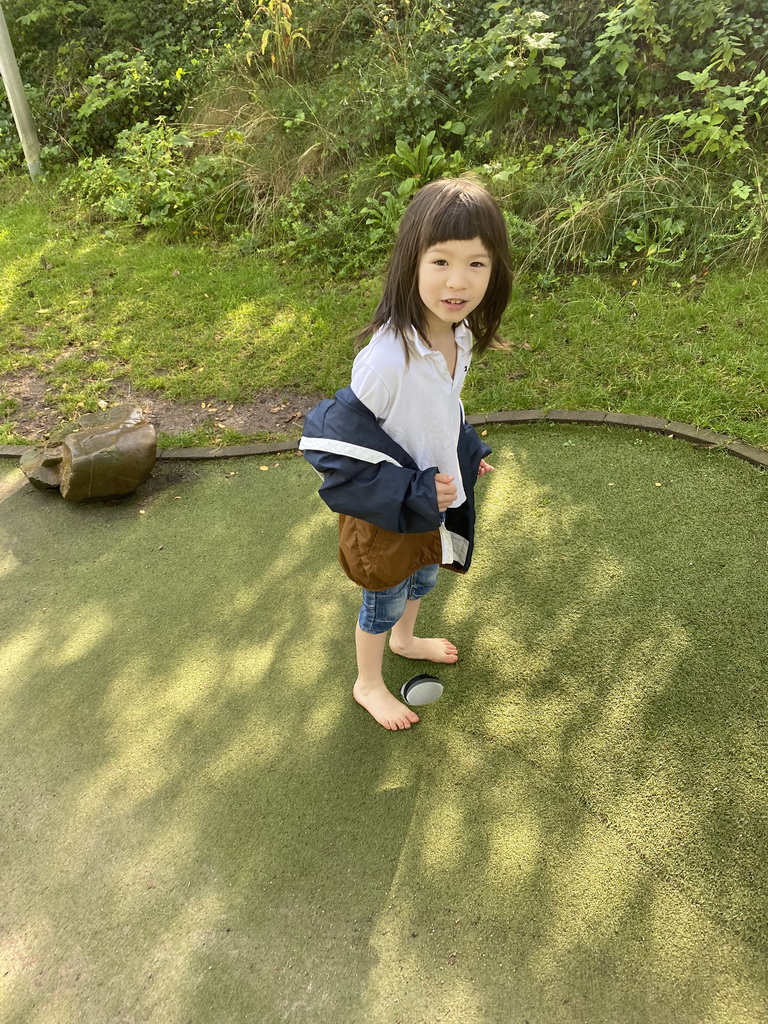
x=434 y=649
x=386 y=709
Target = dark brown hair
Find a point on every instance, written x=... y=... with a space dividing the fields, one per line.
x=451 y=209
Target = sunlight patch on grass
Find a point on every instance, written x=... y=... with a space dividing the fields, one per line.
x=8 y=562
x=11 y=482
x=681 y=942
x=395 y=774
x=536 y=712
x=18 y=650
x=400 y=972
x=240 y=320
x=147 y=720
x=514 y=844
x=537 y=511
x=15 y=272
x=442 y=838
x=240 y=756
x=88 y=626
x=649 y=664
x=595 y=885
x=323 y=719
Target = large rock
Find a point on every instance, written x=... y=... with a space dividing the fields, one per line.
x=107 y=454
x=101 y=455
x=120 y=415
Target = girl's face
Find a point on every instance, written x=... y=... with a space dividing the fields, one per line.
x=453 y=278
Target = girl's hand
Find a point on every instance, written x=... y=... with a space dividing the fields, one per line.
x=485 y=467
x=446 y=490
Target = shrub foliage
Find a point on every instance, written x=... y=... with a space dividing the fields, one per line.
x=629 y=137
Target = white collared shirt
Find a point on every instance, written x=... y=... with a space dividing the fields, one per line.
x=418 y=404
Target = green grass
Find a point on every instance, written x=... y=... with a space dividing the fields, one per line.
x=200 y=826
x=95 y=313
x=92 y=311
x=697 y=354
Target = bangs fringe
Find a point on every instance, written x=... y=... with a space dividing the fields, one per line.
x=460 y=220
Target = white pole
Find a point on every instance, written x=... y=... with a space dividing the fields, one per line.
x=9 y=70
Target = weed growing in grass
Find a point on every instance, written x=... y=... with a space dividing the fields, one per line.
x=280 y=37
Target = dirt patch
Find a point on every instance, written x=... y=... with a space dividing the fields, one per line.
x=274 y=413
x=28 y=407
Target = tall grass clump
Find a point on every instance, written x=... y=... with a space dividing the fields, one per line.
x=634 y=200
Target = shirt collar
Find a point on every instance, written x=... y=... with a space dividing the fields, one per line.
x=462 y=335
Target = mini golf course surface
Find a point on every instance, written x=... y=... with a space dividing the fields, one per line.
x=199 y=826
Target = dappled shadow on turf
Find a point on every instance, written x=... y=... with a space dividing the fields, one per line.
x=201 y=825
x=609 y=706
x=184 y=817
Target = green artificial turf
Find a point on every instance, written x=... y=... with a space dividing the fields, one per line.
x=199 y=826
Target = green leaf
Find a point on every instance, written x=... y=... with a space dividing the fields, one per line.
x=402 y=149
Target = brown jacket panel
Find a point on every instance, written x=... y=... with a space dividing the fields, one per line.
x=377 y=559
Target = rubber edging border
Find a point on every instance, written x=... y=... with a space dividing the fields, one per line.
x=698 y=436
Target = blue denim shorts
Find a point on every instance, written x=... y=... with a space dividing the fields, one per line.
x=383 y=608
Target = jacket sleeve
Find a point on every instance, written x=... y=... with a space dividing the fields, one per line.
x=389 y=496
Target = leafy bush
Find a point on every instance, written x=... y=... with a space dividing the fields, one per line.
x=331 y=222
x=152 y=180
x=639 y=57
x=11 y=152
x=627 y=136
x=721 y=126
x=412 y=167
x=96 y=69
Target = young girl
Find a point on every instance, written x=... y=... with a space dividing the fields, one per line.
x=398 y=459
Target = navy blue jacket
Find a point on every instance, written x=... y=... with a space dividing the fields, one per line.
x=368 y=475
